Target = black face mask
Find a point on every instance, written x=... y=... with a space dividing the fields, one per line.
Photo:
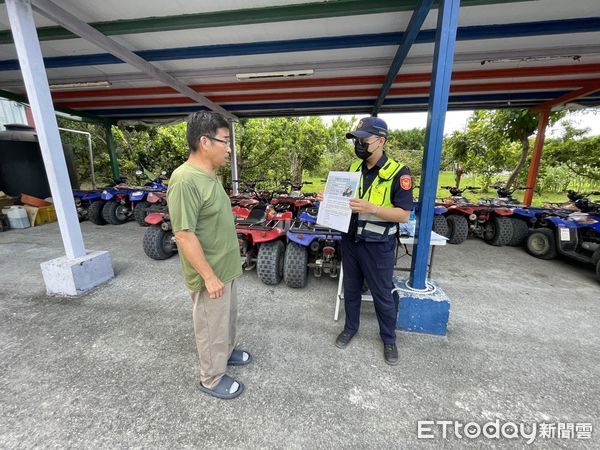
x=361 y=150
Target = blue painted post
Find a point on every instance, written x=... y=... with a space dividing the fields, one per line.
x=445 y=41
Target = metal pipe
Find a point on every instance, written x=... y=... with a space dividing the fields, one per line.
x=234 y=166
x=90 y=151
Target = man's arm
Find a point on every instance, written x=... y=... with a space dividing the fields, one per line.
x=189 y=244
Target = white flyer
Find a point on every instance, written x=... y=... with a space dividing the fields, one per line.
x=334 y=211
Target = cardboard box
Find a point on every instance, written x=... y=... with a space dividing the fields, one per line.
x=38 y=216
x=6 y=200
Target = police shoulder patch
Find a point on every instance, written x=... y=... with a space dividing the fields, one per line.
x=406 y=182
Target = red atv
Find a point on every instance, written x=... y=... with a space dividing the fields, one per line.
x=242 y=203
x=457 y=221
x=159 y=241
x=294 y=200
x=484 y=219
x=262 y=237
x=155 y=202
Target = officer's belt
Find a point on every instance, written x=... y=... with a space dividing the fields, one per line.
x=382 y=230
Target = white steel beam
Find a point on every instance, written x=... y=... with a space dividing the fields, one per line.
x=36 y=83
x=65 y=19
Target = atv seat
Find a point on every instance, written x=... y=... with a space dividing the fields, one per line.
x=258 y=214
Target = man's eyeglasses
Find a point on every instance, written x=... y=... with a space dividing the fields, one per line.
x=227 y=142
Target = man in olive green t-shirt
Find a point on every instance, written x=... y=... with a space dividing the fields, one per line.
x=204 y=228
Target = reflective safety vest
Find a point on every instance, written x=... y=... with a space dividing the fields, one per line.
x=369 y=226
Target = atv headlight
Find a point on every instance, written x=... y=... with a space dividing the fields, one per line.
x=137 y=193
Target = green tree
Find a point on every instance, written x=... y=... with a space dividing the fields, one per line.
x=79 y=142
x=576 y=152
x=407 y=147
x=457 y=151
x=280 y=148
x=339 y=152
x=479 y=149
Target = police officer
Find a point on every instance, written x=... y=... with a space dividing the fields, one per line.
x=369 y=248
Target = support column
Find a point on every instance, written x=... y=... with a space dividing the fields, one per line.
x=234 y=166
x=438 y=103
x=78 y=271
x=112 y=152
x=423 y=306
x=38 y=92
x=536 y=157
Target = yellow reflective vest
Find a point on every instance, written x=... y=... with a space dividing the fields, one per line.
x=380 y=191
x=369 y=226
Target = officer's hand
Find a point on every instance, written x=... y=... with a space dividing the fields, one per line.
x=359 y=205
x=215 y=287
x=320 y=196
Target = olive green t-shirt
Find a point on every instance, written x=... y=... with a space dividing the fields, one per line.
x=197 y=202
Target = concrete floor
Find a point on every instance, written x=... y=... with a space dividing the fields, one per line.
x=117 y=367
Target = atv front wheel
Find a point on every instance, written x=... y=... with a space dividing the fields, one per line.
x=295 y=268
x=542 y=243
x=440 y=225
x=498 y=231
x=458 y=229
x=159 y=244
x=139 y=212
x=269 y=262
x=115 y=213
x=95 y=212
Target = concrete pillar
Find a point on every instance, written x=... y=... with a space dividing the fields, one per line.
x=93 y=267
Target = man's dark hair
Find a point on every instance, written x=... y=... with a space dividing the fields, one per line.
x=203 y=123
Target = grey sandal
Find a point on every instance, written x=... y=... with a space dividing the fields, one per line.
x=237 y=358
x=221 y=390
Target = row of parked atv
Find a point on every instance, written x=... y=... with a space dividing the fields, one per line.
x=277 y=234
x=571 y=228
x=122 y=202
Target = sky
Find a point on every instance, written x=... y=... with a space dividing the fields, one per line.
x=457 y=120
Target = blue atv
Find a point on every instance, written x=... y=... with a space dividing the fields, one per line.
x=139 y=197
x=94 y=210
x=83 y=201
x=117 y=208
x=310 y=246
x=575 y=235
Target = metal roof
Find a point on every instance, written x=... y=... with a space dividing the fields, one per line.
x=508 y=54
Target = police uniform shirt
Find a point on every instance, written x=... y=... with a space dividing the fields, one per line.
x=402 y=196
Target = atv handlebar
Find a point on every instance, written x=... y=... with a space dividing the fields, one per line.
x=454 y=191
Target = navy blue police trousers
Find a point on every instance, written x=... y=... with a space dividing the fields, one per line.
x=373 y=262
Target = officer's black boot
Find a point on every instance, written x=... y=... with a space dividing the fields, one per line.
x=343 y=339
x=390 y=353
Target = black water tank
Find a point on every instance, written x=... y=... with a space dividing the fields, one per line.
x=21 y=165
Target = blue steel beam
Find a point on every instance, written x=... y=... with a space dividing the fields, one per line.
x=478 y=32
x=443 y=55
x=408 y=38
